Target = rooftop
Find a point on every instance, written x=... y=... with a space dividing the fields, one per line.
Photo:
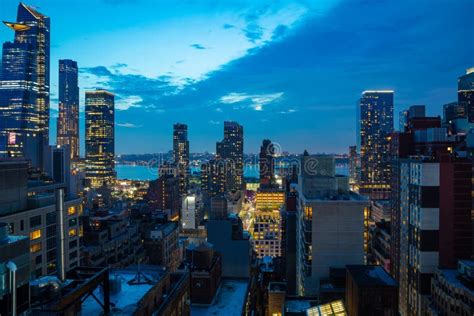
x=229 y=300
x=370 y=276
x=125 y=300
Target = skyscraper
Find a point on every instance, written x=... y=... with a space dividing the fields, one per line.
x=181 y=154
x=68 y=119
x=24 y=86
x=267 y=164
x=100 y=138
x=231 y=148
x=466 y=92
x=376 y=125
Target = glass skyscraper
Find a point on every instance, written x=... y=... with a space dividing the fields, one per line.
x=466 y=93
x=375 y=127
x=231 y=148
x=100 y=138
x=181 y=154
x=68 y=117
x=24 y=87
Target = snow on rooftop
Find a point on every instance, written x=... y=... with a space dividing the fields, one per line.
x=229 y=300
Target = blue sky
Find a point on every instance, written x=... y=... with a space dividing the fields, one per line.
x=291 y=71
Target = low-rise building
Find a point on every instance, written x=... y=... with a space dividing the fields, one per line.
x=370 y=290
x=111 y=241
x=452 y=291
x=161 y=245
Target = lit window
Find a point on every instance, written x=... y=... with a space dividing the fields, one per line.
x=71 y=210
x=35 y=234
x=72 y=232
x=35 y=247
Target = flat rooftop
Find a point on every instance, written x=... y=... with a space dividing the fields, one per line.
x=124 y=302
x=229 y=300
x=371 y=276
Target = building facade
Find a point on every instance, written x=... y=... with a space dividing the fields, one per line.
x=466 y=93
x=100 y=138
x=231 y=149
x=24 y=87
x=330 y=224
x=181 y=154
x=68 y=116
x=375 y=125
x=45 y=214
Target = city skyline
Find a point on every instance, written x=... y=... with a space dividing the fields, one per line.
x=241 y=66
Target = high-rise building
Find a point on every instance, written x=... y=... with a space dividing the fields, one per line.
x=353 y=166
x=44 y=213
x=375 y=114
x=24 y=87
x=267 y=164
x=466 y=92
x=100 y=138
x=181 y=154
x=231 y=148
x=68 y=116
x=330 y=223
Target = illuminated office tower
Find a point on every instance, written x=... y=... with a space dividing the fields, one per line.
x=231 y=148
x=181 y=154
x=267 y=229
x=68 y=118
x=375 y=125
x=100 y=138
x=24 y=87
x=466 y=92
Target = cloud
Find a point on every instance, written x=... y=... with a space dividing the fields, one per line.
x=214 y=122
x=128 y=102
x=254 y=101
x=131 y=90
x=129 y=125
x=227 y=26
x=197 y=46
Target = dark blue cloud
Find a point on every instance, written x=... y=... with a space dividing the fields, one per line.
x=197 y=46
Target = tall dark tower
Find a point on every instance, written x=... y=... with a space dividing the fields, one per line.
x=231 y=148
x=466 y=93
x=376 y=125
x=68 y=118
x=24 y=87
x=267 y=164
x=100 y=138
x=181 y=154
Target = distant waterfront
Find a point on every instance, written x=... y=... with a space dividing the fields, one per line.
x=145 y=173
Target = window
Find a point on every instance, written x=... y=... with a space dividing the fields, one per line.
x=35 y=247
x=51 y=218
x=38 y=259
x=72 y=222
x=22 y=225
x=35 y=221
x=35 y=234
x=50 y=231
x=51 y=255
x=51 y=243
x=73 y=244
x=71 y=210
x=73 y=255
x=72 y=232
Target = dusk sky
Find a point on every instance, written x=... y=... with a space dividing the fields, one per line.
x=290 y=71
